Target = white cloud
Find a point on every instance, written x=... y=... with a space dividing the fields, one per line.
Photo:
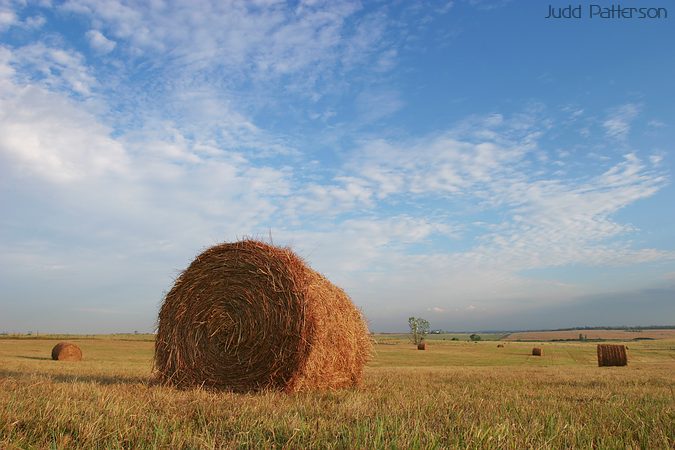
x=269 y=41
x=148 y=180
x=656 y=124
x=347 y=194
x=49 y=136
x=34 y=22
x=6 y=69
x=618 y=123
x=368 y=245
x=446 y=7
x=463 y=161
x=99 y=42
x=374 y=105
x=199 y=59
x=488 y=4
x=541 y=219
x=558 y=222
x=54 y=68
x=7 y=18
x=656 y=159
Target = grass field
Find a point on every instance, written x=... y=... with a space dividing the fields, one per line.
x=624 y=335
x=456 y=394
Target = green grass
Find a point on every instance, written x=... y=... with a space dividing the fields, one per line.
x=456 y=395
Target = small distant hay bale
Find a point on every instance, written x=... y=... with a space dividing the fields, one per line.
x=422 y=346
x=537 y=351
x=248 y=316
x=500 y=345
x=612 y=355
x=66 y=351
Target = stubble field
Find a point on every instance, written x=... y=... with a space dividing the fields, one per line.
x=457 y=394
x=626 y=335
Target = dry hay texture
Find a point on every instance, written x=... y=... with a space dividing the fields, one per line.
x=248 y=316
x=66 y=351
x=422 y=346
x=536 y=351
x=612 y=355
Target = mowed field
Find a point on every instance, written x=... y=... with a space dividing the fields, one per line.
x=457 y=394
x=624 y=335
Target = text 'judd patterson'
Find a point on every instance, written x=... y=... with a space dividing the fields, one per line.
x=614 y=11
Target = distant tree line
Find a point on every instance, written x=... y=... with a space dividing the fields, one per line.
x=622 y=327
x=414 y=323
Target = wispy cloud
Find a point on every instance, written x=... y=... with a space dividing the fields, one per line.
x=53 y=67
x=7 y=18
x=99 y=42
x=618 y=122
x=46 y=134
x=374 y=105
x=10 y=19
x=488 y=4
x=490 y=168
x=270 y=40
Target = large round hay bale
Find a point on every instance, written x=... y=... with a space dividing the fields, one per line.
x=422 y=346
x=537 y=351
x=247 y=316
x=66 y=351
x=612 y=355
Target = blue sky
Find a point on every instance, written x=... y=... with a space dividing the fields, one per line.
x=469 y=162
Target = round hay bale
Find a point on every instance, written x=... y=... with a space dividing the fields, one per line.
x=247 y=316
x=66 y=351
x=422 y=346
x=612 y=355
x=536 y=351
x=500 y=345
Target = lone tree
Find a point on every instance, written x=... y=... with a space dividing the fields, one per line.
x=474 y=337
x=418 y=329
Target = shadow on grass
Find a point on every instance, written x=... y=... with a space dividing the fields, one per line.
x=41 y=358
x=104 y=380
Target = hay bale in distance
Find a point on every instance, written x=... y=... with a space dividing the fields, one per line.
x=537 y=351
x=612 y=355
x=66 y=351
x=247 y=316
x=422 y=346
x=500 y=345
